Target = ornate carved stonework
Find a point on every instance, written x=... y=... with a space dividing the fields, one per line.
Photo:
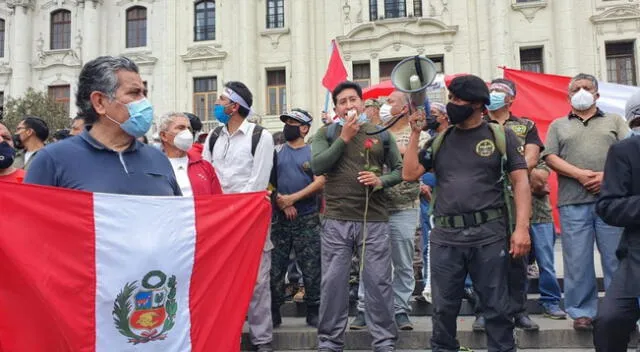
x=5 y=69
x=373 y=37
x=67 y=57
x=204 y=57
x=26 y=5
x=618 y=13
x=142 y=58
x=122 y=2
x=275 y=35
x=529 y=9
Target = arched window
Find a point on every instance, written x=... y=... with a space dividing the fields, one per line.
x=205 y=21
x=136 y=27
x=2 y=38
x=61 y=30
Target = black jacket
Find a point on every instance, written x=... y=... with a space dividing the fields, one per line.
x=619 y=205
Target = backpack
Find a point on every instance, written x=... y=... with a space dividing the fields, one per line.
x=332 y=134
x=255 y=139
x=499 y=136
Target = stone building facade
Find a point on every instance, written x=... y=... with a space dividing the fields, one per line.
x=187 y=49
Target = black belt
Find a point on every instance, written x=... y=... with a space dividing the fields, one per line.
x=466 y=220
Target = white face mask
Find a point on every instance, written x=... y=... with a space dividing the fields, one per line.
x=183 y=140
x=582 y=100
x=385 y=113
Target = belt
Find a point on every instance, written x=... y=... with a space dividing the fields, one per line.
x=463 y=221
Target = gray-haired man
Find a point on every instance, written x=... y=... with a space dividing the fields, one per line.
x=108 y=158
x=576 y=148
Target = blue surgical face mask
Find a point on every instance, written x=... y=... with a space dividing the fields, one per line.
x=7 y=155
x=140 y=118
x=497 y=101
x=220 y=115
x=361 y=119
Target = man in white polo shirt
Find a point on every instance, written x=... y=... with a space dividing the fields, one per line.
x=242 y=154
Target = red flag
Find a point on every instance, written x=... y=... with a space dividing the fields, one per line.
x=95 y=272
x=336 y=72
x=541 y=98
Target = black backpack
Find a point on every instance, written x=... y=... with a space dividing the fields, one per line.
x=255 y=139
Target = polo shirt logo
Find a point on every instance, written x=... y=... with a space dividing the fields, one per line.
x=485 y=148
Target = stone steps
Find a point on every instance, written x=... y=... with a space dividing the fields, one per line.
x=418 y=308
x=294 y=334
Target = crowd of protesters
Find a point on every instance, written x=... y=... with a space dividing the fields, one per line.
x=349 y=200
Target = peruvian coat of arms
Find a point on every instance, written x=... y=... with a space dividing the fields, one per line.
x=148 y=312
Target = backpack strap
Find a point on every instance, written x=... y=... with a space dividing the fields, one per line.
x=214 y=137
x=433 y=149
x=255 y=138
x=500 y=137
x=332 y=132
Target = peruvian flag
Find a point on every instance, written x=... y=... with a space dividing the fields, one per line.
x=101 y=272
x=336 y=72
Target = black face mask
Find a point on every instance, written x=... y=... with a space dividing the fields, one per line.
x=17 y=142
x=7 y=155
x=432 y=123
x=291 y=133
x=459 y=113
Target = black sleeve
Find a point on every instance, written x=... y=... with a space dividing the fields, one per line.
x=424 y=158
x=617 y=206
x=515 y=152
x=533 y=137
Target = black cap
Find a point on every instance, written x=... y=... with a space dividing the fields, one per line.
x=194 y=121
x=470 y=88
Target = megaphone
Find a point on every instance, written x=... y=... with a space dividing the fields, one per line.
x=413 y=75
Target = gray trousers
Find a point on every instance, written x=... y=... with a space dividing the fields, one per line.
x=339 y=240
x=402 y=225
x=259 y=314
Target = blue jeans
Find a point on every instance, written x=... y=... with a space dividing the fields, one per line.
x=581 y=226
x=543 y=238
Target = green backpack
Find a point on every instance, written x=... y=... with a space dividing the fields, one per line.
x=500 y=138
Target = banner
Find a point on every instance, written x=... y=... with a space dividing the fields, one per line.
x=102 y=272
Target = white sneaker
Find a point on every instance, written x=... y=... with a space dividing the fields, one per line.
x=426 y=293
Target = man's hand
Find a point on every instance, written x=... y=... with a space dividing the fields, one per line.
x=594 y=184
x=285 y=201
x=417 y=120
x=425 y=191
x=290 y=213
x=520 y=243
x=350 y=128
x=368 y=178
x=585 y=176
x=538 y=180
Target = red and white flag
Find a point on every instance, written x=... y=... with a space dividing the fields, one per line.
x=336 y=72
x=102 y=272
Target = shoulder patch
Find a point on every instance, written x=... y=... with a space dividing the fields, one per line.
x=485 y=148
x=520 y=130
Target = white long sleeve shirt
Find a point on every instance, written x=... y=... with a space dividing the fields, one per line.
x=238 y=170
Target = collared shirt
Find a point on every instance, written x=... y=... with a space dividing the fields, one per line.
x=180 y=166
x=584 y=144
x=238 y=170
x=83 y=163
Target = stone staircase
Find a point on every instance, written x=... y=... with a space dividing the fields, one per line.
x=295 y=335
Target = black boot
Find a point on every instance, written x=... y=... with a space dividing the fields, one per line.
x=276 y=317
x=312 y=315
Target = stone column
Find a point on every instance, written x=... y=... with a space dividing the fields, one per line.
x=91 y=30
x=499 y=29
x=249 y=49
x=565 y=37
x=300 y=55
x=374 y=68
x=22 y=43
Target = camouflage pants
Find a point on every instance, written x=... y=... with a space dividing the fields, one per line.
x=303 y=235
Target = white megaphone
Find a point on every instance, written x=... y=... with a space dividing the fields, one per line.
x=412 y=75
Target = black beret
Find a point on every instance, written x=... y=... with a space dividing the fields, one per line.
x=470 y=88
x=194 y=121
